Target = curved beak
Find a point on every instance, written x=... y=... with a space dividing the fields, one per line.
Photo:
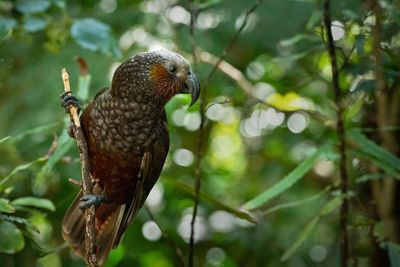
x=192 y=86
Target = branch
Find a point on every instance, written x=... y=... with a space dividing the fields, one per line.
x=344 y=209
x=200 y=138
x=229 y=70
x=175 y=247
x=87 y=185
x=387 y=195
x=231 y=42
x=202 y=110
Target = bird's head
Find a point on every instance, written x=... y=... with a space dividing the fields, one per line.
x=159 y=75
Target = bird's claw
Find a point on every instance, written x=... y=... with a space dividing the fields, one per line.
x=69 y=99
x=90 y=200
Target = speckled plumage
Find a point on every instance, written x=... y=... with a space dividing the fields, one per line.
x=126 y=131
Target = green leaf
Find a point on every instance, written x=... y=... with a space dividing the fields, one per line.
x=34 y=202
x=12 y=240
x=83 y=87
x=32 y=6
x=33 y=24
x=332 y=205
x=5 y=206
x=96 y=36
x=393 y=12
x=203 y=5
x=210 y=199
x=373 y=149
x=382 y=164
x=300 y=239
x=287 y=181
x=297 y=38
x=35 y=130
x=297 y=203
x=299 y=55
x=394 y=254
x=314 y=19
x=352 y=110
x=360 y=43
x=18 y=169
x=369 y=177
x=4 y=139
x=22 y=221
x=328 y=208
x=65 y=142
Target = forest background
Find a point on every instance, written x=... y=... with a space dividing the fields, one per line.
x=297 y=158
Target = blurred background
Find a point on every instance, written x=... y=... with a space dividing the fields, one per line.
x=269 y=170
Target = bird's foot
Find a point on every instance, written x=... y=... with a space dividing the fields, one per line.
x=90 y=200
x=69 y=99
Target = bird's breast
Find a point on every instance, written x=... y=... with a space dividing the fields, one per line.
x=122 y=126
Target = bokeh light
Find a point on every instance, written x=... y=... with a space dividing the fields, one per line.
x=297 y=122
x=215 y=256
x=155 y=199
x=151 y=231
x=183 y=157
x=262 y=90
x=178 y=14
x=108 y=6
x=200 y=228
x=255 y=71
x=192 y=121
x=337 y=30
x=324 y=168
x=221 y=221
x=318 y=253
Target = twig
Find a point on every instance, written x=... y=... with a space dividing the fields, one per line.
x=175 y=247
x=53 y=147
x=200 y=138
x=231 y=42
x=203 y=118
x=75 y=182
x=87 y=186
x=229 y=70
x=344 y=209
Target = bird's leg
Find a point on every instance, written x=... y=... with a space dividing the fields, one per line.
x=68 y=100
x=95 y=200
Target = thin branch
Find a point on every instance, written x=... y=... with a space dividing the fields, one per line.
x=229 y=70
x=53 y=146
x=175 y=247
x=231 y=42
x=200 y=138
x=344 y=209
x=202 y=111
x=87 y=185
x=75 y=182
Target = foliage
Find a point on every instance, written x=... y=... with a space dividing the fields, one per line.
x=270 y=162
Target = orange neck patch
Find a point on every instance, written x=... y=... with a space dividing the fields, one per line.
x=164 y=85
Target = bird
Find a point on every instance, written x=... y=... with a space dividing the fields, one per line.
x=125 y=127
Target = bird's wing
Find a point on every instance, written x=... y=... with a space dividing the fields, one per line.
x=150 y=169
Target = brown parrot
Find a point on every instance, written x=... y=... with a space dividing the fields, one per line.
x=126 y=131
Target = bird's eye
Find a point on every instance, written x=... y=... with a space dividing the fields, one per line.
x=172 y=69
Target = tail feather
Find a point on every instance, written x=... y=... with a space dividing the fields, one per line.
x=73 y=228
